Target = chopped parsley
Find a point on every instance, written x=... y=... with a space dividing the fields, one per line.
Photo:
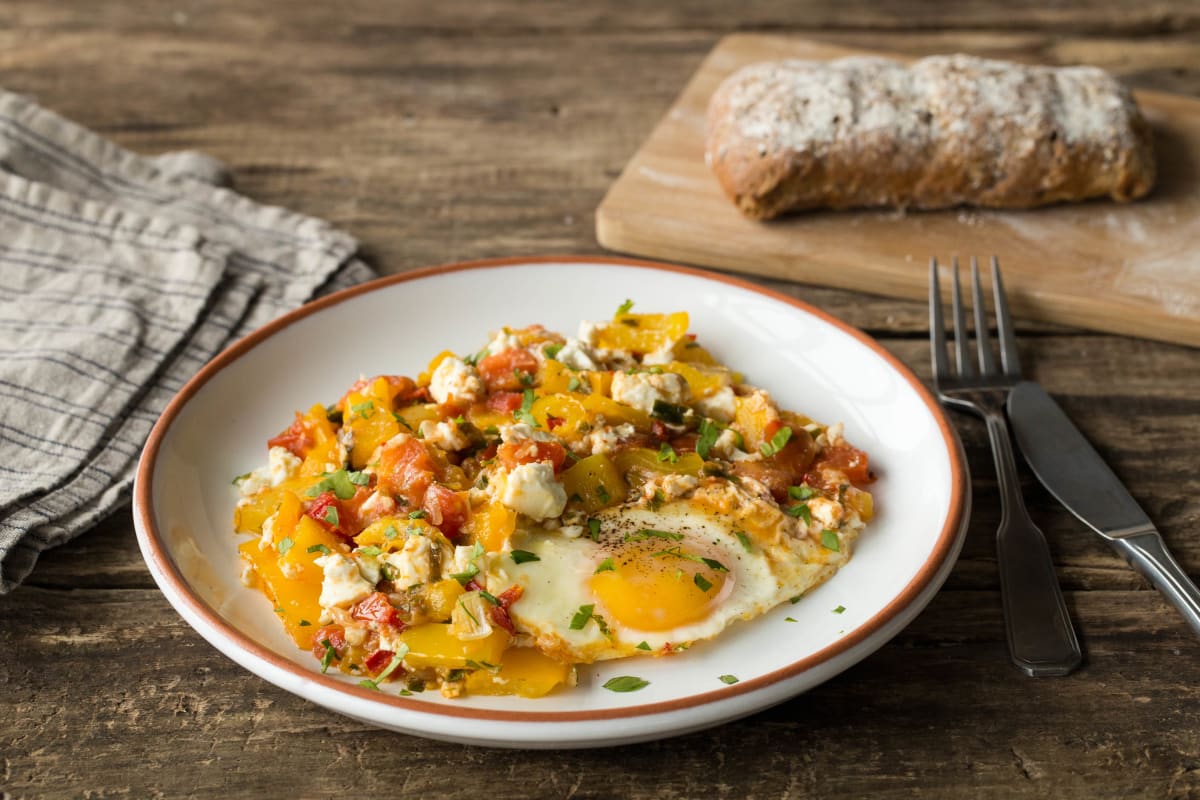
x=777 y=443
x=328 y=656
x=552 y=350
x=472 y=569
x=802 y=511
x=342 y=483
x=623 y=309
x=521 y=556
x=801 y=492
x=573 y=384
x=649 y=533
x=625 y=683
x=709 y=433
x=790 y=619
x=491 y=598
x=593 y=529
x=331 y=516
x=319 y=548
x=730 y=679
x=602 y=493
x=241 y=478
x=839 y=610
x=523 y=414
x=401 y=420
x=796 y=599
x=744 y=539
x=606 y=565
x=467 y=611
x=418 y=514
x=702 y=582
x=370 y=550
x=667 y=453
x=668 y=412
x=643 y=645
x=524 y=378
x=285 y=544
x=829 y=540
x=581 y=617
x=304 y=623
x=364 y=410
x=390 y=532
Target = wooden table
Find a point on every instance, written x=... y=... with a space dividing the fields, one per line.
x=494 y=127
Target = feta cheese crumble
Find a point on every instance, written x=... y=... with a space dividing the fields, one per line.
x=531 y=489
x=455 y=378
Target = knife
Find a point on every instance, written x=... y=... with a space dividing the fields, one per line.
x=1077 y=476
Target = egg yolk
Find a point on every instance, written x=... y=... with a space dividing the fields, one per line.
x=655 y=588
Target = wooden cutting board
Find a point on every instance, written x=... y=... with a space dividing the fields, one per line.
x=1131 y=269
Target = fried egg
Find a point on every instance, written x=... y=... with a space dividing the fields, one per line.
x=650 y=581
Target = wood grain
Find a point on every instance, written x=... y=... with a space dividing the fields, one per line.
x=1127 y=268
x=460 y=130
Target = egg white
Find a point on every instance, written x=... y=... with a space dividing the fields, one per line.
x=773 y=560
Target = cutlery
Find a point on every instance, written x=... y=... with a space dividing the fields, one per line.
x=1077 y=476
x=1041 y=638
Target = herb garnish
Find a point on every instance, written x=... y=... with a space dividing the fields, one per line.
x=552 y=350
x=523 y=414
x=702 y=582
x=581 y=617
x=397 y=658
x=623 y=309
x=667 y=453
x=709 y=433
x=625 y=683
x=331 y=516
x=643 y=645
x=730 y=679
x=647 y=533
x=472 y=569
x=839 y=609
x=328 y=656
x=521 y=556
x=829 y=540
x=364 y=410
x=593 y=529
x=606 y=565
x=802 y=511
x=370 y=550
x=319 y=548
x=777 y=443
x=744 y=539
x=285 y=544
x=343 y=484
x=803 y=492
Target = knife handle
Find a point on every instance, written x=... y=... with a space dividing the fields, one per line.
x=1148 y=554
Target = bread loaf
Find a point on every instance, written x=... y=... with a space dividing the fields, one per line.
x=943 y=131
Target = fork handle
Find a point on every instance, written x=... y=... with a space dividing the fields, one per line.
x=1041 y=638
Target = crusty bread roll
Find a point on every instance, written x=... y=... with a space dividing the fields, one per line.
x=943 y=131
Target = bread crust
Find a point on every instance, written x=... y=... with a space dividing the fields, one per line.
x=944 y=131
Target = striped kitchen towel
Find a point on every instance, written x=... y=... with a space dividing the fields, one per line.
x=120 y=276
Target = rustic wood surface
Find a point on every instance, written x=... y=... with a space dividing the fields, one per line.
x=437 y=132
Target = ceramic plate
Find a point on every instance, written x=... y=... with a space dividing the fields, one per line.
x=217 y=425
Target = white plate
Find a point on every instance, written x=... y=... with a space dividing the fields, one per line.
x=812 y=363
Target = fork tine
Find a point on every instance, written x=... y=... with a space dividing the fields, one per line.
x=937 y=326
x=962 y=347
x=983 y=342
x=1004 y=326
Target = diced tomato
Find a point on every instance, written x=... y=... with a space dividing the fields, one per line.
x=335 y=635
x=530 y=452
x=499 y=614
x=405 y=469
x=786 y=468
x=501 y=619
x=328 y=511
x=553 y=422
x=446 y=509
x=659 y=430
x=296 y=439
x=502 y=372
x=473 y=585
x=510 y=595
x=850 y=461
x=505 y=402
x=376 y=607
x=378 y=661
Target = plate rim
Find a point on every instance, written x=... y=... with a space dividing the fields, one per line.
x=164 y=569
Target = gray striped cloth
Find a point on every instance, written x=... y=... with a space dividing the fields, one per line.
x=120 y=276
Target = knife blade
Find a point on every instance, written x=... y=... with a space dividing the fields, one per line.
x=1071 y=469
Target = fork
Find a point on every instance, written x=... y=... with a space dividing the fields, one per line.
x=1041 y=639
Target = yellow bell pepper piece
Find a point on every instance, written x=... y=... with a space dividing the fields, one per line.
x=371 y=420
x=702 y=381
x=298 y=561
x=596 y=482
x=414 y=415
x=643 y=463
x=492 y=525
x=425 y=377
x=440 y=597
x=389 y=533
x=642 y=333
x=523 y=671
x=615 y=413
x=432 y=645
x=297 y=598
x=575 y=417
